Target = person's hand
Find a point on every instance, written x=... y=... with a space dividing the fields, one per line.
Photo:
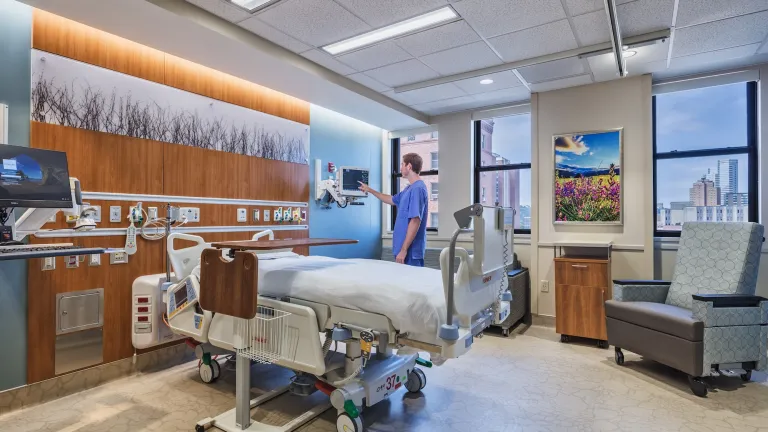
x=364 y=187
x=400 y=258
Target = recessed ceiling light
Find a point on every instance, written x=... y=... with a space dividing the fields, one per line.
x=428 y=19
x=253 y=5
x=486 y=81
x=628 y=54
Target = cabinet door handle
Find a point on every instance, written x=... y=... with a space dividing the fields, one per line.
x=578 y=266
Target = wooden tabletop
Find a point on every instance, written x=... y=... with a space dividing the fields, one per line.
x=280 y=244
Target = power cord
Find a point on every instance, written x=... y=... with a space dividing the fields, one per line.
x=156 y=223
x=5 y=214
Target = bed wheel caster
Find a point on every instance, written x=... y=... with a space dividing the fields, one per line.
x=199 y=428
x=698 y=386
x=209 y=372
x=619 y=357
x=417 y=380
x=746 y=376
x=345 y=423
x=505 y=332
x=565 y=338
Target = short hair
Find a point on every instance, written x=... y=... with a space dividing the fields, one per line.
x=415 y=161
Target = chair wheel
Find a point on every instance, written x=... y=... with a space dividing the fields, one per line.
x=345 y=423
x=417 y=380
x=698 y=386
x=565 y=338
x=619 y=357
x=199 y=428
x=746 y=376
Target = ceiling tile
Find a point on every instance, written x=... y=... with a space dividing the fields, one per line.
x=226 y=10
x=692 y=12
x=324 y=59
x=728 y=33
x=379 y=13
x=644 y=16
x=592 y=28
x=578 y=7
x=446 y=106
x=502 y=96
x=496 y=17
x=552 y=70
x=368 y=82
x=439 y=38
x=398 y=74
x=713 y=57
x=711 y=65
x=561 y=83
x=273 y=35
x=534 y=42
x=462 y=59
x=316 y=22
x=374 y=56
x=428 y=94
x=501 y=80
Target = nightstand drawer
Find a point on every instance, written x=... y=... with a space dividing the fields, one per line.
x=581 y=273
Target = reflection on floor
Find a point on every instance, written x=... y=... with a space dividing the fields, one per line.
x=528 y=382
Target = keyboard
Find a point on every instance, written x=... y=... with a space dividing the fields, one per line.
x=45 y=250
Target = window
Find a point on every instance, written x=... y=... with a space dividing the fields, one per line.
x=705 y=156
x=503 y=165
x=425 y=145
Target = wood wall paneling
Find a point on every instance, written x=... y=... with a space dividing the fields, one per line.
x=71 y=39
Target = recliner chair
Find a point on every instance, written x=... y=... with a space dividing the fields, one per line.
x=707 y=320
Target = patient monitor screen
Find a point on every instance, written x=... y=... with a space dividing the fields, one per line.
x=180 y=296
x=33 y=178
x=351 y=179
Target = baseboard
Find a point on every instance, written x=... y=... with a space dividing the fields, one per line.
x=543 y=320
x=67 y=384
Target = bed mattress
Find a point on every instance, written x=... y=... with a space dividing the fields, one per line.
x=411 y=297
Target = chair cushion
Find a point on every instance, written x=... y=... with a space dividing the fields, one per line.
x=669 y=319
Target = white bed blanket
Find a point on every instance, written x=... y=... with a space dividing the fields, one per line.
x=411 y=297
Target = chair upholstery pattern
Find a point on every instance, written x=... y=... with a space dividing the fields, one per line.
x=734 y=344
x=728 y=316
x=646 y=293
x=715 y=258
x=762 y=363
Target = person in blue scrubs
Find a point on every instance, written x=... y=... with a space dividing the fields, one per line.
x=409 y=238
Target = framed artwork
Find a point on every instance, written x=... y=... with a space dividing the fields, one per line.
x=588 y=182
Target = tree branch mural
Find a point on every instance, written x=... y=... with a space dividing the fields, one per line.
x=68 y=100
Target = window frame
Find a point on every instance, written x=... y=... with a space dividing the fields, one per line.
x=750 y=149
x=395 y=177
x=480 y=168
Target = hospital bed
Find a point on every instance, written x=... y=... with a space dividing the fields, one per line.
x=289 y=310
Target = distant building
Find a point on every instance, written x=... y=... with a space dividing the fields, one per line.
x=736 y=199
x=704 y=193
x=728 y=176
x=716 y=214
x=679 y=205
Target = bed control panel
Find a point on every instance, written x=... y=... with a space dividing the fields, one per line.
x=181 y=296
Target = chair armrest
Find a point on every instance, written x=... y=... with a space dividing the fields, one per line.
x=730 y=300
x=640 y=290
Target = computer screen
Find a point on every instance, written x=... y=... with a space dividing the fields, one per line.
x=351 y=178
x=34 y=178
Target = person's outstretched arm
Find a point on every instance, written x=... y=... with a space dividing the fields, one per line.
x=387 y=199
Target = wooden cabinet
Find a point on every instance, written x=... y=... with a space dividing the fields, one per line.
x=582 y=285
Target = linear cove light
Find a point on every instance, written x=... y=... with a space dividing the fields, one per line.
x=252 y=5
x=428 y=19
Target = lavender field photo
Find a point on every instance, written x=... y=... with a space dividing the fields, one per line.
x=70 y=93
x=588 y=178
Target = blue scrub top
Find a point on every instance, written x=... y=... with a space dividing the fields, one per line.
x=411 y=202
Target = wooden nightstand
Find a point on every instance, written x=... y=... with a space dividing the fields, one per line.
x=582 y=285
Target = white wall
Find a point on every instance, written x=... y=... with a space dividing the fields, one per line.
x=624 y=104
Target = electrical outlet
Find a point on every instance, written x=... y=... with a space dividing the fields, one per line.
x=115 y=213
x=266 y=215
x=97 y=214
x=544 y=286
x=192 y=213
x=94 y=260
x=242 y=215
x=72 y=261
x=118 y=258
x=256 y=215
x=49 y=263
x=152 y=213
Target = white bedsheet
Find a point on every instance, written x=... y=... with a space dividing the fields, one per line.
x=411 y=297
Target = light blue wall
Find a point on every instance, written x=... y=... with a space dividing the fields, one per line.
x=345 y=141
x=15 y=84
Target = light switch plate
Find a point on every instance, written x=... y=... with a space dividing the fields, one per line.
x=114 y=214
x=256 y=215
x=544 y=286
x=49 y=263
x=94 y=260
